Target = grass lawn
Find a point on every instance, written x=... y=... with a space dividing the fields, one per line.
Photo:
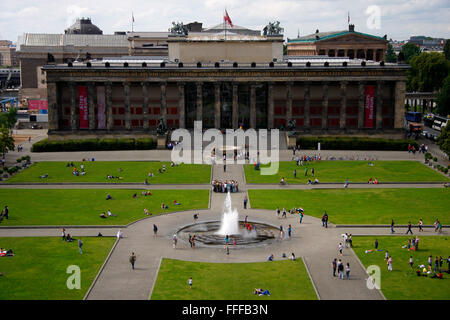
x=132 y=171
x=285 y=280
x=84 y=206
x=354 y=171
x=38 y=269
x=361 y=206
x=403 y=283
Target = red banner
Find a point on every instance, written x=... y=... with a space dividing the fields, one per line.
x=101 y=116
x=369 y=107
x=37 y=104
x=82 y=96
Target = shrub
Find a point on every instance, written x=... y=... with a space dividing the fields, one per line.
x=94 y=145
x=354 y=143
x=435 y=159
x=428 y=156
x=13 y=169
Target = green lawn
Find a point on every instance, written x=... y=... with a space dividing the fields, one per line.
x=84 y=206
x=38 y=269
x=354 y=171
x=285 y=280
x=403 y=283
x=361 y=206
x=132 y=172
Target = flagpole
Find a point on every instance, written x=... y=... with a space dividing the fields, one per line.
x=224 y=25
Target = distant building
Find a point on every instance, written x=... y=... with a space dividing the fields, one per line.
x=344 y=43
x=428 y=43
x=8 y=55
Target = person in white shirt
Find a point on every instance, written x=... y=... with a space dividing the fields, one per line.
x=119 y=234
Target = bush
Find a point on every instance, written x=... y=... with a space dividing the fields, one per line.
x=13 y=169
x=435 y=159
x=94 y=145
x=355 y=143
x=428 y=156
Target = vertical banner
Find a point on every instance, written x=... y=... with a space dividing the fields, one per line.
x=82 y=96
x=101 y=116
x=369 y=107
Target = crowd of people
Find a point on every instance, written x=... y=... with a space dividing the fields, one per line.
x=225 y=186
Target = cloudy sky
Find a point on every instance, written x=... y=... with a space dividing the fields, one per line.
x=399 y=19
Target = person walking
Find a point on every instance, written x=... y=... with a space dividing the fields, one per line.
x=278 y=212
x=245 y=202
x=350 y=240
x=389 y=263
x=326 y=219
x=175 y=240
x=341 y=248
x=132 y=260
x=334 y=266
x=80 y=245
x=392 y=226
x=155 y=230
x=6 y=213
x=420 y=224
x=300 y=215
x=376 y=244
x=289 y=231
x=63 y=234
x=284 y=213
x=190 y=282
x=295 y=173
x=341 y=269
x=409 y=228
x=411 y=261
x=347 y=271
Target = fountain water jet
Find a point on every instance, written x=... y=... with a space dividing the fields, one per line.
x=230 y=219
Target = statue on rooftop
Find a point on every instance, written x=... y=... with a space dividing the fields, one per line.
x=161 y=129
x=178 y=29
x=273 y=29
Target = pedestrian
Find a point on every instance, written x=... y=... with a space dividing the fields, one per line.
x=224 y=167
x=389 y=263
x=278 y=212
x=350 y=240
x=376 y=244
x=345 y=239
x=284 y=213
x=281 y=233
x=386 y=255
x=193 y=242
x=6 y=213
x=29 y=139
x=175 y=240
x=155 y=230
x=436 y=265
x=293 y=151
x=306 y=171
x=245 y=202
x=334 y=266
x=411 y=261
x=295 y=173
x=409 y=228
x=430 y=262
x=300 y=215
x=420 y=225
x=195 y=217
x=289 y=231
x=63 y=234
x=312 y=171
x=132 y=260
x=392 y=226
x=326 y=219
x=190 y=283
x=80 y=244
x=347 y=271
x=341 y=247
x=341 y=269
x=190 y=239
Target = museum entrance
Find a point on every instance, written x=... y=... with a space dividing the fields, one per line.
x=226 y=105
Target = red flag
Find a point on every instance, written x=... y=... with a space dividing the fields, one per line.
x=226 y=18
x=348 y=17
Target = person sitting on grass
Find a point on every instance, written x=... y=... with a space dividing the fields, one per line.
x=110 y=214
x=164 y=206
x=176 y=203
x=43 y=176
x=283 y=181
x=69 y=238
x=261 y=292
x=370 y=181
x=108 y=197
x=135 y=196
x=309 y=181
x=151 y=175
x=316 y=181
x=149 y=193
x=375 y=181
x=270 y=258
x=147 y=213
x=103 y=215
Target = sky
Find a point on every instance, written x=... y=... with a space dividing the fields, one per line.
x=398 y=19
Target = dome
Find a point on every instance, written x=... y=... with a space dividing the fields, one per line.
x=83 y=26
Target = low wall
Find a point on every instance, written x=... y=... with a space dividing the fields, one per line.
x=77 y=135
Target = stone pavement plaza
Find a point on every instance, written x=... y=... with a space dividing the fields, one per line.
x=318 y=246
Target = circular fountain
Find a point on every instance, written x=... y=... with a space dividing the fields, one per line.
x=213 y=233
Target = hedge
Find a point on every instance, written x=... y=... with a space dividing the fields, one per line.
x=94 y=145
x=354 y=143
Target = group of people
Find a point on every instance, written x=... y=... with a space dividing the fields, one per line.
x=225 y=186
x=305 y=159
x=373 y=181
x=343 y=271
x=108 y=214
x=66 y=236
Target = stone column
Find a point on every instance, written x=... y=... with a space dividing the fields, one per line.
x=374 y=54
x=53 y=110
x=199 y=101
x=217 y=105
x=126 y=90
x=379 y=110
x=362 y=99
x=73 y=106
x=181 y=106
x=289 y=85
x=399 y=111
x=253 y=106
x=306 y=111
x=91 y=106
x=270 y=109
x=235 y=105
x=164 y=102
x=108 y=105
x=342 y=114
x=145 y=95
x=325 y=105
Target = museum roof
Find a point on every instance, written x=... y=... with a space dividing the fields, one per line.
x=77 y=40
x=328 y=35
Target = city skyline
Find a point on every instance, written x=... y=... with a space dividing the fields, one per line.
x=398 y=20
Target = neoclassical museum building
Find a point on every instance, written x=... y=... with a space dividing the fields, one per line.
x=227 y=79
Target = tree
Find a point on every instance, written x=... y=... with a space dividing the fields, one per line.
x=443 y=98
x=390 y=54
x=8 y=119
x=410 y=50
x=6 y=141
x=428 y=71
x=447 y=49
x=444 y=139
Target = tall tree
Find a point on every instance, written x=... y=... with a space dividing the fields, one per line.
x=390 y=54
x=444 y=139
x=410 y=50
x=6 y=141
x=447 y=49
x=8 y=119
x=443 y=98
x=428 y=71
